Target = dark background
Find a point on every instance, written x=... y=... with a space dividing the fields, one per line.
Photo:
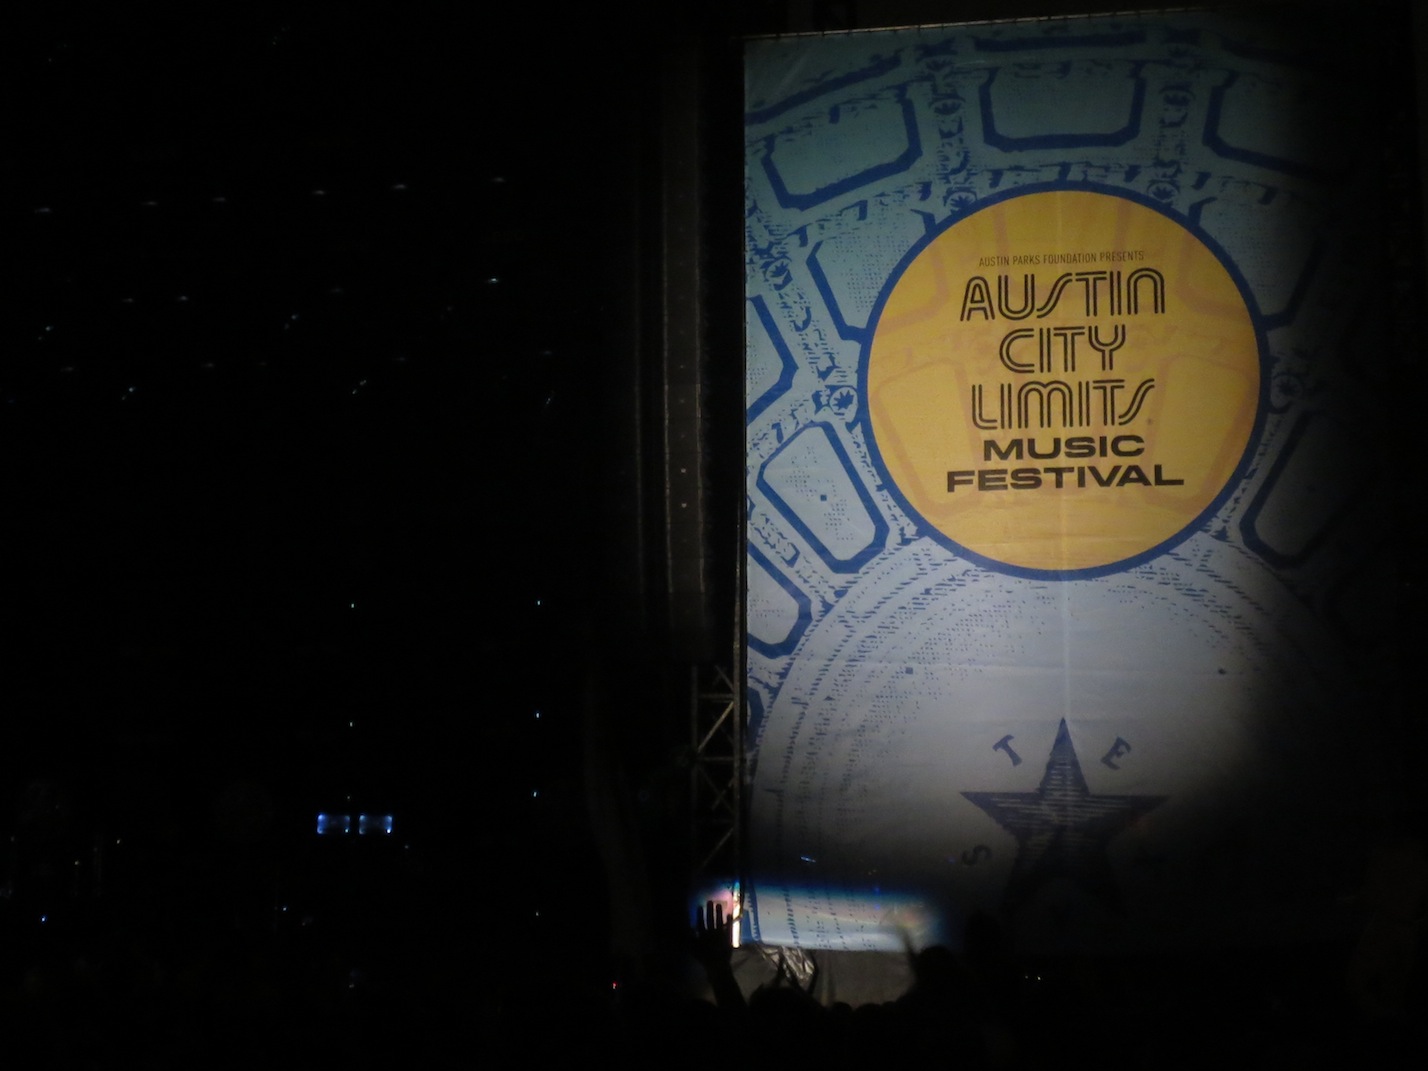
x=324 y=491
x=333 y=455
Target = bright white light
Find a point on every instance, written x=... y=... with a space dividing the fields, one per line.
x=727 y=896
x=881 y=921
x=737 y=909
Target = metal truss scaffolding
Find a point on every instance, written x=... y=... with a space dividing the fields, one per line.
x=716 y=782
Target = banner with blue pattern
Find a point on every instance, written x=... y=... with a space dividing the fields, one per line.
x=1068 y=348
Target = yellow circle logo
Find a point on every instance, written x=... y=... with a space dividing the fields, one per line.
x=1063 y=381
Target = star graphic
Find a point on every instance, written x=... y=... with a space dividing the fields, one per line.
x=1061 y=829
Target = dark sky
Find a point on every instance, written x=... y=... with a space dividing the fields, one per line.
x=306 y=413
x=301 y=324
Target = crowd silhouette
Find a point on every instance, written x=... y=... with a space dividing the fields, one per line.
x=115 y=988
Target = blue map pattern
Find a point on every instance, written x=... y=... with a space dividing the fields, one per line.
x=857 y=146
x=952 y=115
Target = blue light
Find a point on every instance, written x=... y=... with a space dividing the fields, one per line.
x=372 y=822
x=339 y=824
x=333 y=823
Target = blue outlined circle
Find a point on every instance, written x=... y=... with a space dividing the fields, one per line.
x=1237 y=474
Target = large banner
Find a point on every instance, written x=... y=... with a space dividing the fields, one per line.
x=1066 y=362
